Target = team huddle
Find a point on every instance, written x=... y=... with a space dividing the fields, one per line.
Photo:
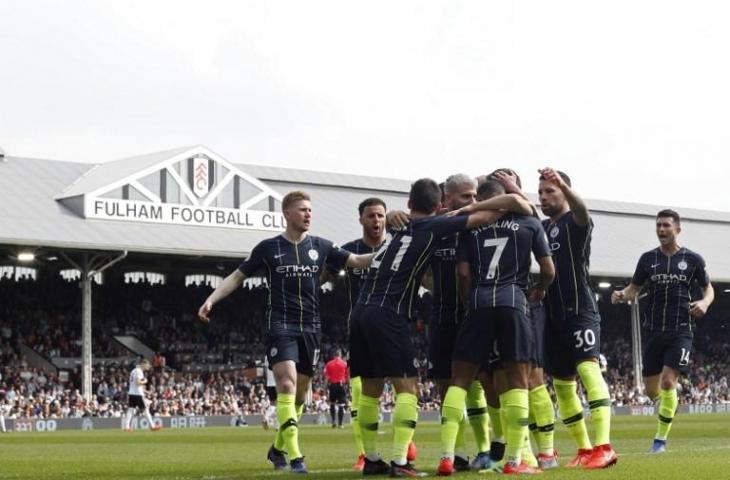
x=494 y=328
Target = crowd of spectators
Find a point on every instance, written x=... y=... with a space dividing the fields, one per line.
x=45 y=316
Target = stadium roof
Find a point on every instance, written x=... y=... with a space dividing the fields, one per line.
x=46 y=203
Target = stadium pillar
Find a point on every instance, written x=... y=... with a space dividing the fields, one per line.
x=636 y=343
x=88 y=268
x=86 y=358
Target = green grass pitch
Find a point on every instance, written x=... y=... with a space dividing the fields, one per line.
x=699 y=448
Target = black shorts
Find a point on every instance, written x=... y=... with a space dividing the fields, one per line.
x=441 y=340
x=666 y=348
x=571 y=342
x=302 y=349
x=536 y=312
x=271 y=393
x=136 y=401
x=495 y=333
x=337 y=393
x=380 y=344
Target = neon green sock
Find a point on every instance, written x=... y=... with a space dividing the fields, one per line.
x=571 y=411
x=528 y=456
x=667 y=408
x=460 y=444
x=531 y=425
x=300 y=410
x=368 y=414
x=495 y=420
x=599 y=400
x=405 y=418
x=356 y=385
x=452 y=413
x=476 y=410
x=286 y=414
x=541 y=408
x=515 y=405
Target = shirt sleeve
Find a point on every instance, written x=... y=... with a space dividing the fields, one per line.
x=540 y=246
x=641 y=273
x=703 y=278
x=254 y=262
x=443 y=225
x=336 y=257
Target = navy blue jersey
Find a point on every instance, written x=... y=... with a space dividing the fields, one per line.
x=499 y=259
x=397 y=269
x=570 y=295
x=355 y=277
x=447 y=308
x=670 y=281
x=293 y=271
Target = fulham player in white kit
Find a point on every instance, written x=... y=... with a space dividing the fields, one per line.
x=136 y=401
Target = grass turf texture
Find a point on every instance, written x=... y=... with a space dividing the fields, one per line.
x=699 y=447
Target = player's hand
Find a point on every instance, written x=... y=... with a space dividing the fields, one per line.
x=508 y=181
x=618 y=296
x=204 y=311
x=698 y=309
x=552 y=176
x=460 y=211
x=397 y=219
x=536 y=295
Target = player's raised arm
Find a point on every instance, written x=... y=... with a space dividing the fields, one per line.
x=226 y=287
x=359 y=261
x=492 y=209
x=577 y=206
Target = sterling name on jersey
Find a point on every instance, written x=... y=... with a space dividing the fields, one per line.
x=355 y=277
x=293 y=271
x=397 y=269
x=447 y=307
x=670 y=282
x=499 y=259
x=570 y=295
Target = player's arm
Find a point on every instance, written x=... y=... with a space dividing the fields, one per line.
x=509 y=182
x=359 y=261
x=546 y=277
x=226 y=287
x=626 y=294
x=577 y=206
x=699 y=307
x=427 y=281
x=464 y=280
x=491 y=210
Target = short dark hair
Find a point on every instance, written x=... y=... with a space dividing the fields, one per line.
x=509 y=171
x=668 y=212
x=293 y=197
x=489 y=189
x=369 y=202
x=563 y=175
x=424 y=196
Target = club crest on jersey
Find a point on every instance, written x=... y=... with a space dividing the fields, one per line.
x=554 y=231
x=682 y=265
x=314 y=255
x=273 y=352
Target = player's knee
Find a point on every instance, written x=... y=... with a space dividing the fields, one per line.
x=668 y=383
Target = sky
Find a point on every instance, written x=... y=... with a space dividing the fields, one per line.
x=630 y=98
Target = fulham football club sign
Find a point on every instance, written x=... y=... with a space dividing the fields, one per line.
x=192 y=186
